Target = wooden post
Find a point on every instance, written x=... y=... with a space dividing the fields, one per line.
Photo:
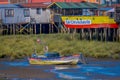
x=101 y=31
x=35 y=28
x=7 y=32
x=31 y=29
x=119 y=33
x=49 y=28
x=10 y=29
x=109 y=35
x=105 y=33
x=40 y=28
x=0 y=29
x=52 y=28
x=96 y=34
x=114 y=35
x=82 y=34
x=90 y=34
x=13 y=29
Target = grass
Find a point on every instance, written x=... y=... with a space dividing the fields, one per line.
x=19 y=46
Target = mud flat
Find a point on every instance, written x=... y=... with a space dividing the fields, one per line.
x=95 y=69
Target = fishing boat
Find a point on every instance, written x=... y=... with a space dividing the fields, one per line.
x=53 y=58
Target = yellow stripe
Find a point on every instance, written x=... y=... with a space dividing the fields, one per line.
x=94 y=19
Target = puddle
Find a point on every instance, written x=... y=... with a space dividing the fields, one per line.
x=91 y=71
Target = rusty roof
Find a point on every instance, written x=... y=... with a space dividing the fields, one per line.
x=3 y=0
x=36 y=5
x=112 y=6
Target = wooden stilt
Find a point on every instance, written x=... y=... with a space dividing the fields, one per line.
x=82 y=34
x=40 y=28
x=90 y=34
x=49 y=28
x=32 y=29
x=105 y=33
x=0 y=29
x=35 y=28
x=13 y=29
x=95 y=34
x=101 y=32
x=119 y=34
x=113 y=36
x=109 y=35
x=52 y=28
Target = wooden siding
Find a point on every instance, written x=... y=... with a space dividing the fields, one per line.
x=17 y=18
x=44 y=17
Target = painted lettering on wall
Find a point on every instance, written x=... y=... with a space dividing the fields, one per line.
x=78 y=22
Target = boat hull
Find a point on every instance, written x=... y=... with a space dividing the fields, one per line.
x=63 y=60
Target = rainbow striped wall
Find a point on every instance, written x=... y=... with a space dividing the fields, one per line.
x=89 y=22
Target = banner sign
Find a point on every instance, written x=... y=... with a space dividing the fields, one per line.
x=89 y=22
x=78 y=22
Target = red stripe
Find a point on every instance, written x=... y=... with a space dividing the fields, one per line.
x=114 y=25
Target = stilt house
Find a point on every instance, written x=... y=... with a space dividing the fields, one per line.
x=14 y=14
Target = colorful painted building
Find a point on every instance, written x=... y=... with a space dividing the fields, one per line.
x=81 y=15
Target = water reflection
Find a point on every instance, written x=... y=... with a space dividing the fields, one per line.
x=89 y=71
x=63 y=67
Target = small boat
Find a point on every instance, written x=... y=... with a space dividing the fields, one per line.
x=53 y=58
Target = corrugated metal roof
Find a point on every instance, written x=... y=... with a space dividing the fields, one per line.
x=36 y=5
x=10 y=6
x=67 y=5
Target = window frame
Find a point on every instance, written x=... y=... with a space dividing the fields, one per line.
x=38 y=11
x=26 y=12
x=9 y=12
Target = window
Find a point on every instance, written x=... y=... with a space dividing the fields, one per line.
x=26 y=13
x=97 y=0
x=9 y=12
x=38 y=11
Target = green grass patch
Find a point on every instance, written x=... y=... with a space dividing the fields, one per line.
x=19 y=46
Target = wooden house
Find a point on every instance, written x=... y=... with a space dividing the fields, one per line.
x=73 y=9
x=38 y=12
x=40 y=16
x=14 y=14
